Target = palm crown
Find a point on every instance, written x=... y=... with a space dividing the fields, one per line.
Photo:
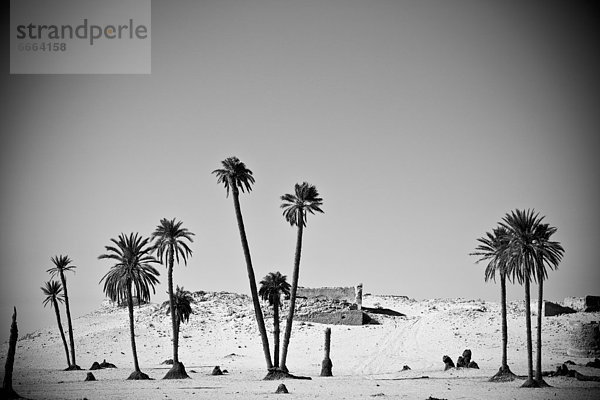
x=529 y=247
x=234 y=175
x=170 y=234
x=492 y=248
x=306 y=198
x=61 y=264
x=182 y=300
x=273 y=286
x=52 y=291
x=133 y=267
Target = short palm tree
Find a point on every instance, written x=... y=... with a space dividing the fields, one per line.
x=132 y=270
x=53 y=292
x=170 y=244
x=182 y=299
x=295 y=208
x=235 y=177
x=549 y=254
x=63 y=264
x=492 y=248
x=522 y=255
x=271 y=288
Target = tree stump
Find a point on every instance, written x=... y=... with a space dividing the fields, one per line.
x=326 y=365
x=7 y=388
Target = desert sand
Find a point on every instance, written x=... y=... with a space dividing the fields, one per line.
x=367 y=360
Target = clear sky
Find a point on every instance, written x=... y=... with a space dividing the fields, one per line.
x=420 y=122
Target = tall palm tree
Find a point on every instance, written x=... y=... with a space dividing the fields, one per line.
x=182 y=299
x=492 y=248
x=522 y=253
x=132 y=270
x=62 y=264
x=235 y=177
x=549 y=254
x=271 y=288
x=53 y=293
x=295 y=207
x=170 y=244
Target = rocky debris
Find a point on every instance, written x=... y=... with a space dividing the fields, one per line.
x=448 y=363
x=581 y=377
x=101 y=365
x=563 y=370
x=105 y=364
x=463 y=361
x=167 y=362
x=281 y=389
x=593 y=364
x=216 y=371
x=90 y=377
x=406 y=368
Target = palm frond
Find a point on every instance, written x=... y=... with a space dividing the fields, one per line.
x=305 y=199
x=272 y=286
x=133 y=269
x=53 y=291
x=234 y=175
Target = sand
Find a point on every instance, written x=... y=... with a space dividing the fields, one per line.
x=367 y=360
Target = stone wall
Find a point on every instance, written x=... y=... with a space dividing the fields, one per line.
x=342 y=317
x=576 y=303
x=585 y=339
x=553 y=309
x=347 y=294
x=592 y=303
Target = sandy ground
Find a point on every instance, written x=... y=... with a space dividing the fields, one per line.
x=367 y=360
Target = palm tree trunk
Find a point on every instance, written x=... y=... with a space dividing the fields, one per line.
x=538 y=365
x=504 y=323
x=172 y=308
x=290 y=317
x=136 y=365
x=530 y=380
x=60 y=328
x=276 y=331
x=253 y=290
x=68 y=312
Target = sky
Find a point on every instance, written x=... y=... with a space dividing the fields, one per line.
x=421 y=123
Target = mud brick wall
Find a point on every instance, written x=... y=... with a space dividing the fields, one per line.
x=344 y=317
x=347 y=294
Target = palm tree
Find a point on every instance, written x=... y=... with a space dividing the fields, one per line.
x=492 y=248
x=549 y=254
x=522 y=255
x=62 y=264
x=53 y=293
x=235 y=177
x=132 y=269
x=169 y=243
x=295 y=207
x=271 y=288
x=182 y=299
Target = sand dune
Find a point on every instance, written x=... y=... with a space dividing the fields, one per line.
x=367 y=360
